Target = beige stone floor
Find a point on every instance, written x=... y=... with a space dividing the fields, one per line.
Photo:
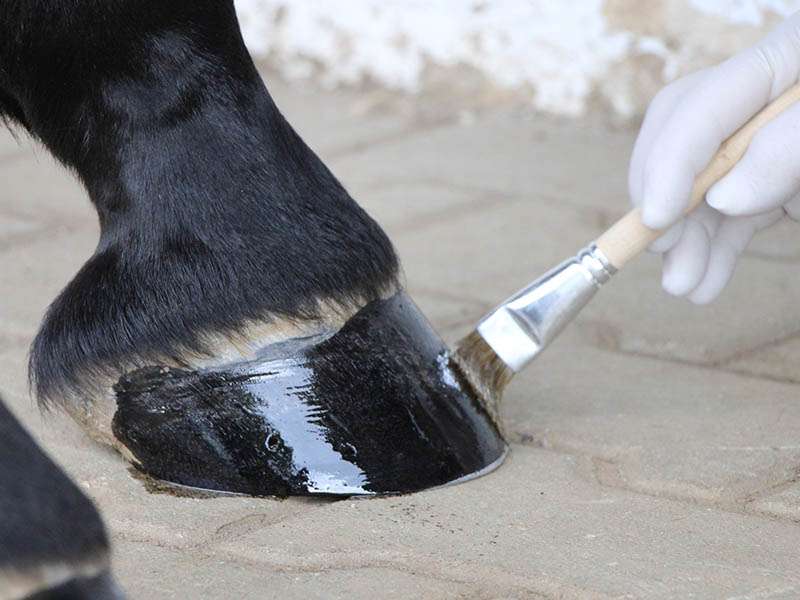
x=656 y=446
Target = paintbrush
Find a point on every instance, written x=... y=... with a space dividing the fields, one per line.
x=516 y=331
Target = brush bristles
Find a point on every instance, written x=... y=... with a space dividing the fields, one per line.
x=475 y=353
x=487 y=373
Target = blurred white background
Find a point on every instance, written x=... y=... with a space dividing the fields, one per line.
x=564 y=57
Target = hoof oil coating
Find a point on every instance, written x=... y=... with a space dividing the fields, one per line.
x=373 y=409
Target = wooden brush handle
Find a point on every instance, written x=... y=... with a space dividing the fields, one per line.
x=627 y=238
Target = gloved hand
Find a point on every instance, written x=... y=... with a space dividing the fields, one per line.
x=684 y=126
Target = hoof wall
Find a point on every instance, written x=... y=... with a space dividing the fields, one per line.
x=373 y=409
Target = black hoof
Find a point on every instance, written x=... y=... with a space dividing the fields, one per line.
x=375 y=408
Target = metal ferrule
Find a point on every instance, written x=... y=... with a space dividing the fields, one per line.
x=523 y=325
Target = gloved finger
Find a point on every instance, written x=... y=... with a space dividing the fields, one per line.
x=671 y=237
x=657 y=113
x=792 y=208
x=732 y=237
x=685 y=264
x=779 y=51
x=768 y=174
x=716 y=107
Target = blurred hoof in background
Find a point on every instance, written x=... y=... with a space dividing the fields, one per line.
x=53 y=544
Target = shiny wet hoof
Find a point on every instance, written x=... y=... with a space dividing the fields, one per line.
x=374 y=408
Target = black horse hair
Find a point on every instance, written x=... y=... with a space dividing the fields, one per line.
x=213 y=212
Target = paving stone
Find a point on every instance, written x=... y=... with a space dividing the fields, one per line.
x=509 y=152
x=335 y=122
x=33 y=273
x=778 y=361
x=36 y=187
x=152 y=572
x=486 y=254
x=413 y=205
x=660 y=428
x=784 y=504
x=134 y=514
x=411 y=208
x=13 y=378
x=445 y=312
x=536 y=527
x=632 y=314
x=779 y=242
x=12 y=144
x=12 y=228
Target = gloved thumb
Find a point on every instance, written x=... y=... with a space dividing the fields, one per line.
x=768 y=175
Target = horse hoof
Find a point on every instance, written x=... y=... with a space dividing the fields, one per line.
x=374 y=408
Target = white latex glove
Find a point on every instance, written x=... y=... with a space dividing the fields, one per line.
x=684 y=126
